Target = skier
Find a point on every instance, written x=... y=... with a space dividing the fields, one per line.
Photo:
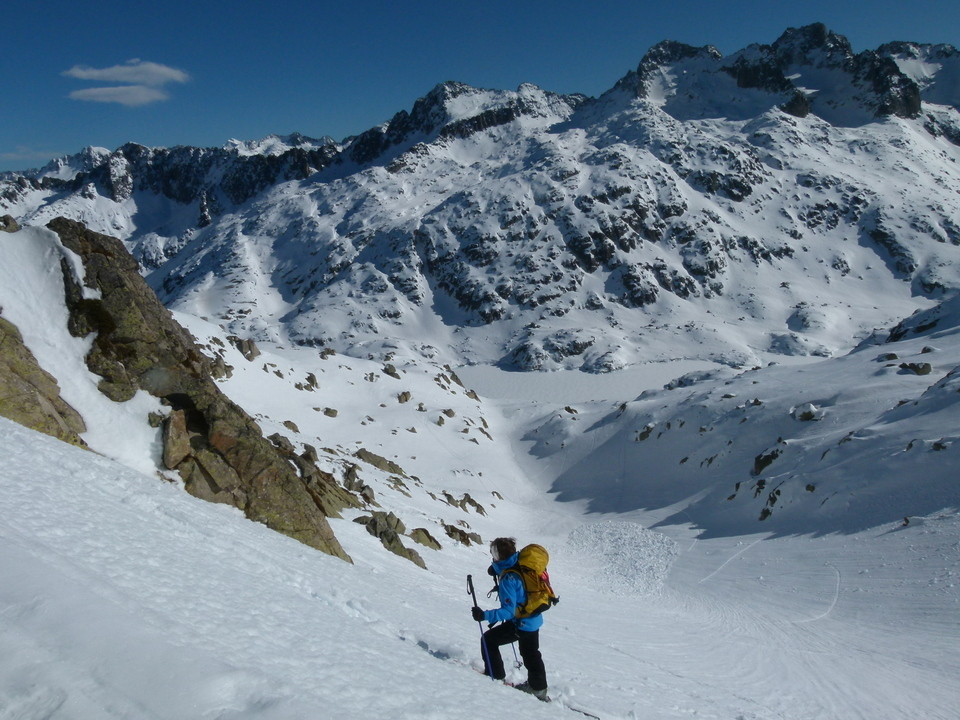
x=525 y=631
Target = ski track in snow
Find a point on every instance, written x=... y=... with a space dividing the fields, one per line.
x=833 y=603
x=730 y=559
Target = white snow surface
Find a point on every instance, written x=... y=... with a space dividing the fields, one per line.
x=124 y=597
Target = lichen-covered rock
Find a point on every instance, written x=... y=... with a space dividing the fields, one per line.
x=379 y=462
x=29 y=395
x=176 y=439
x=423 y=537
x=247 y=348
x=466 y=501
x=321 y=485
x=391 y=371
x=388 y=528
x=354 y=483
x=917 y=368
x=462 y=536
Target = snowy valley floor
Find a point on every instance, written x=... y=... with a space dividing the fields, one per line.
x=123 y=597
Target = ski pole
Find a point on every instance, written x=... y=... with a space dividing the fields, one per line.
x=483 y=640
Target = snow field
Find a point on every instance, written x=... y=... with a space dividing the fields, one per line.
x=131 y=599
x=123 y=597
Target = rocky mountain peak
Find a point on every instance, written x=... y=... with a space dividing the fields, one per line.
x=671 y=51
x=838 y=82
x=934 y=68
x=428 y=113
x=659 y=59
x=551 y=231
x=806 y=69
x=435 y=108
x=444 y=92
x=810 y=45
x=456 y=110
x=68 y=167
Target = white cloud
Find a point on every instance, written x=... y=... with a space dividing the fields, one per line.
x=129 y=95
x=141 y=82
x=135 y=71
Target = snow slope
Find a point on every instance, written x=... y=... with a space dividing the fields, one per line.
x=124 y=597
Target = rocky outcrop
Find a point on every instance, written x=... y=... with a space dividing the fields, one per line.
x=379 y=462
x=423 y=537
x=248 y=348
x=29 y=395
x=216 y=447
x=322 y=486
x=462 y=536
x=388 y=528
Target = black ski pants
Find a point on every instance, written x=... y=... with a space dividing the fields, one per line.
x=529 y=643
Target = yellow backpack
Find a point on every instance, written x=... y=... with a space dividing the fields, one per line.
x=532 y=568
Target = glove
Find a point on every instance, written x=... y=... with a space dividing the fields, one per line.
x=478 y=614
x=491 y=572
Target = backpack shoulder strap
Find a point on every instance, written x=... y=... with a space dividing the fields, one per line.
x=515 y=569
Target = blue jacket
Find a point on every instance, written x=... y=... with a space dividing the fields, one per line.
x=512 y=594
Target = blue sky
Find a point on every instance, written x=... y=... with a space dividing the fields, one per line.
x=168 y=73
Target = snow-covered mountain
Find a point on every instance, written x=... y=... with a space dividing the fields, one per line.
x=786 y=199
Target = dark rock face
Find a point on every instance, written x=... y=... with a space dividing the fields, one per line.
x=801 y=45
x=669 y=52
x=214 y=178
x=216 y=447
x=184 y=174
